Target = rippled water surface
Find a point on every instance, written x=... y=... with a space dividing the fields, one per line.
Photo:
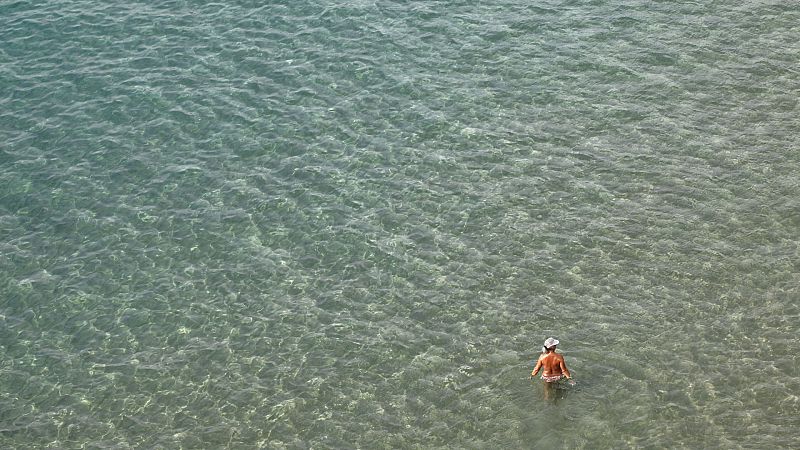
x=352 y=224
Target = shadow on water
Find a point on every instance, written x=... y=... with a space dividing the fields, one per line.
x=553 y=410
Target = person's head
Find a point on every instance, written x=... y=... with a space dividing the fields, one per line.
x=549 y=345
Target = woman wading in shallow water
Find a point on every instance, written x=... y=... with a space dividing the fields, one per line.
x=554 y=366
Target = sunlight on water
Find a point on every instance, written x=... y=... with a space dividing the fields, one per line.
x=352 y=225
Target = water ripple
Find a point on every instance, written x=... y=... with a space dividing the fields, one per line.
x=351 y=224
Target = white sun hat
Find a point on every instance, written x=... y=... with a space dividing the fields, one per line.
x=550 y=342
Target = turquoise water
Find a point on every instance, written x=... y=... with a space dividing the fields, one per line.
x=353 y=224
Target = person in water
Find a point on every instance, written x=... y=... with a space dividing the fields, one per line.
x=553 y=364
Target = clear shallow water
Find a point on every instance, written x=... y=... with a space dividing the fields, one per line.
x=339 y=225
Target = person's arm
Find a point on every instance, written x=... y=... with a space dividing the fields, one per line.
x=536 y=367
x=564 y=369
